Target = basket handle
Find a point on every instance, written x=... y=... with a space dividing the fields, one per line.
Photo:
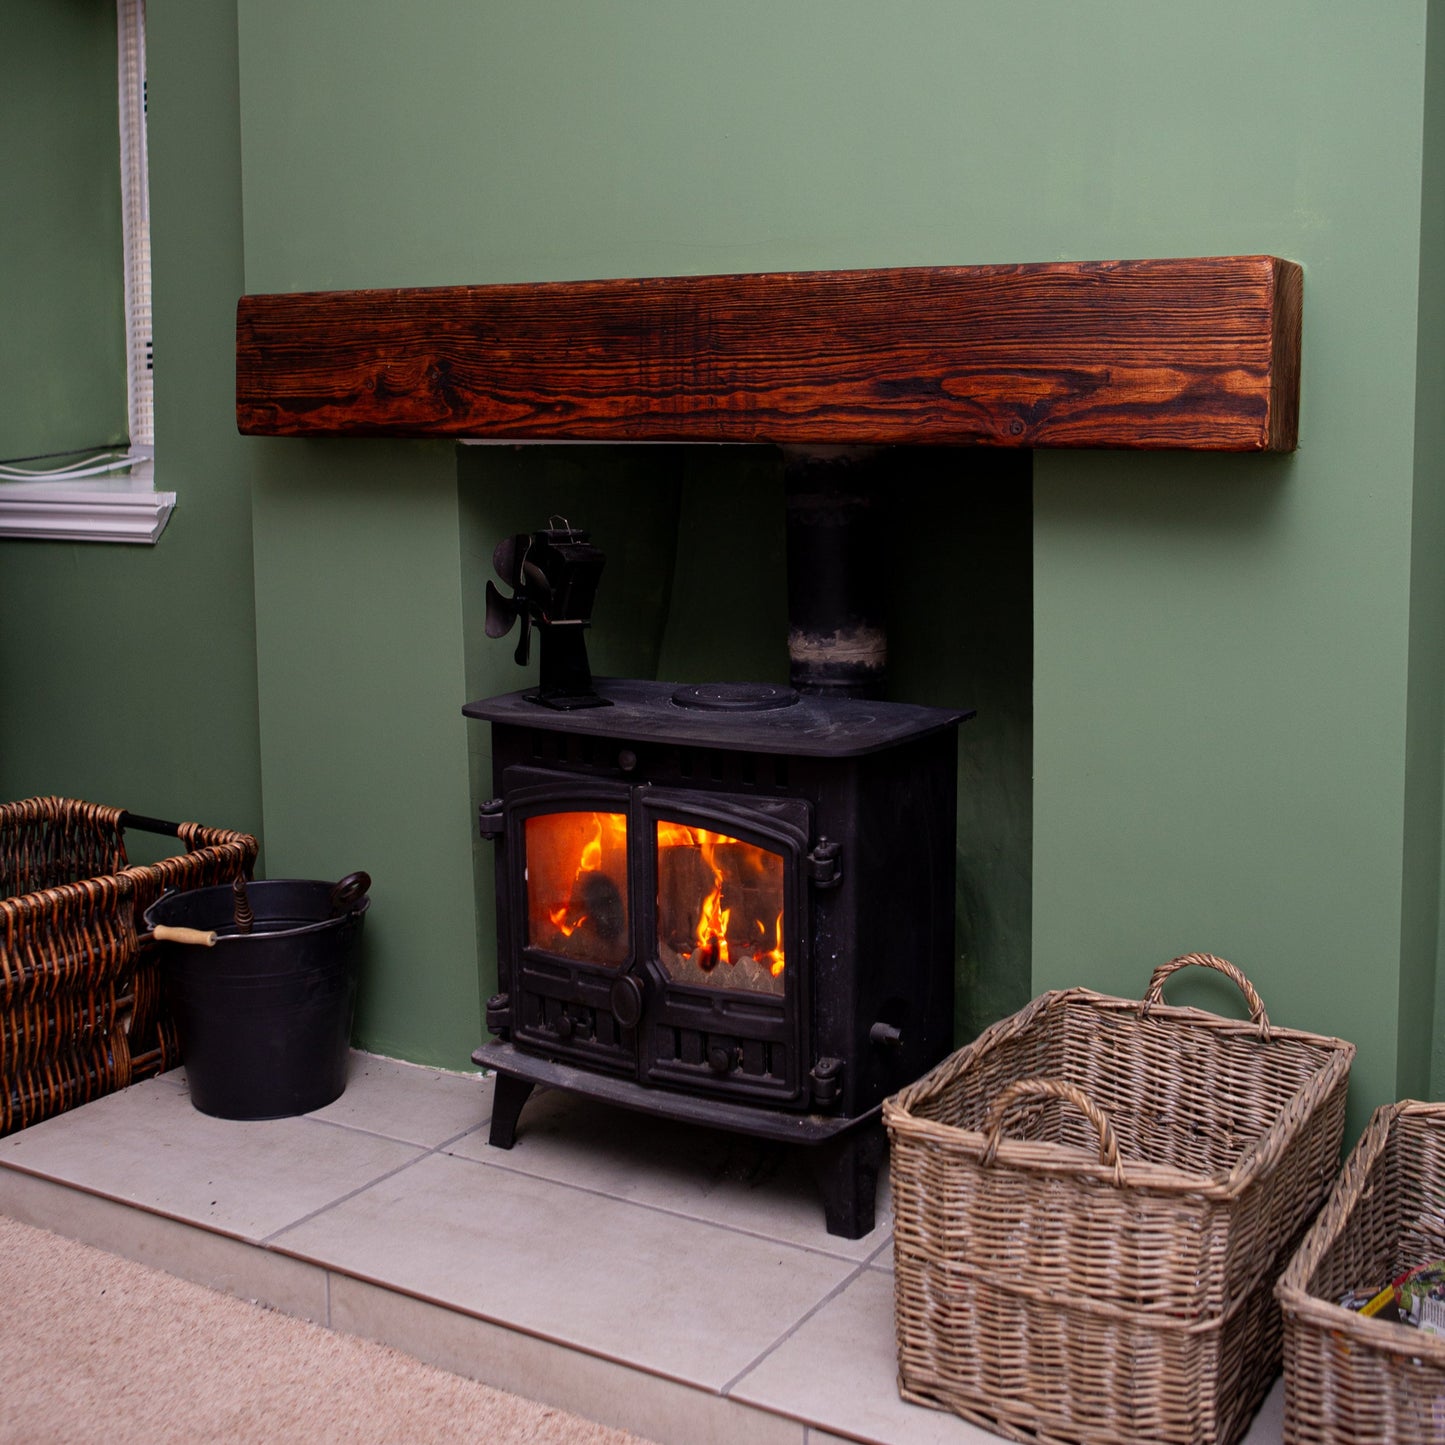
x=1023 y=1089
x=1155 y=992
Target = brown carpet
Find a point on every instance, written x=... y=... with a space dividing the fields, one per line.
x=98 y=1348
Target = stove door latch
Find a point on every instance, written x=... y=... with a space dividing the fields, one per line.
x=491 y=821
x=824 y=865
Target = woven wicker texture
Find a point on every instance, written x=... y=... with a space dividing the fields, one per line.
x=82 y=1011
x=1092 y=1203
x=1348 y=1379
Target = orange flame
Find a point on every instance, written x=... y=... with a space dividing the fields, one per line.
x=712 y=927
x=564 y=849
x=591 y=858
x=713 y=946
x=560 y=923
x=774 y=955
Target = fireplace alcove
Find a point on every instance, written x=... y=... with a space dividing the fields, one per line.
x=962 y=369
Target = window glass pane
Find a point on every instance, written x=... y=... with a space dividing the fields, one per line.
x=577 y=885
x=719 y=910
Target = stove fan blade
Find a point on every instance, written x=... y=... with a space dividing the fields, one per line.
x=531 y=592
x=553 y=576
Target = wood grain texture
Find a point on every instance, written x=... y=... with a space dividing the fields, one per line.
x=1200 y=354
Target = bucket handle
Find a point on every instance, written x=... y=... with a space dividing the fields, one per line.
x=165 y=933
x=349 y=892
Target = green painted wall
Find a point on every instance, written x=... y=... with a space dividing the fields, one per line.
x=1422 y=1002
x=363 y=747
x=62 y=357
x=1237 y=708
x=1221 y=646
x=130 y=671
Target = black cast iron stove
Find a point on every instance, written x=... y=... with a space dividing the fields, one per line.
x=728 y=904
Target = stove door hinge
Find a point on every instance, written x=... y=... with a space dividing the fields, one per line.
x=499 y=1015
x=826 y=1080
x=491 y=822
x=824 y=865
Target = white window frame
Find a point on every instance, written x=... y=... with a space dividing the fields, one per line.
x=92 y=503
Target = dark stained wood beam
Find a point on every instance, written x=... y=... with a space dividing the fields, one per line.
x=1200 y=354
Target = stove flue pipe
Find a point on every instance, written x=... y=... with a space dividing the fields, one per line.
x=837 y=643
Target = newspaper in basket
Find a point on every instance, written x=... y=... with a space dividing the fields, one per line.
x=1092 y=1203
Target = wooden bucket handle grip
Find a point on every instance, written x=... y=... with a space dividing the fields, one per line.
x=199 y=937
x=1024 y=1089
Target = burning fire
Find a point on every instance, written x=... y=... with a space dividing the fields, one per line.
x=713 y=945
x=719 y=898
x=774 y=955
x=577 y=884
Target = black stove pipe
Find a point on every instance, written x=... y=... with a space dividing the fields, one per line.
x=837 y=644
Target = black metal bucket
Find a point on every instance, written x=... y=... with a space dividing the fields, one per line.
x=265 y=1015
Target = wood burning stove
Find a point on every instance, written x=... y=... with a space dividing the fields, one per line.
x=731 y=904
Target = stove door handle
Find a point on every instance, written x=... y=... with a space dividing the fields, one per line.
x=626 y=999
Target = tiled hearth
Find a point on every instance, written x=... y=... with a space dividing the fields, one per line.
x=667 y=1279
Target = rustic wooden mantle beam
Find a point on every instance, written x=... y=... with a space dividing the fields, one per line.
x=1199 y=354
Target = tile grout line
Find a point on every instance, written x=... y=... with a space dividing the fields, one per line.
x=268 y=1241
x=727 y=1388
x=665 y=1210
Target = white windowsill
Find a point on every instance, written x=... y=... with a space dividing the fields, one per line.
x=92 y=509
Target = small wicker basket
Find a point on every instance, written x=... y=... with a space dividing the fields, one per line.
x=1105 y=1272
x=1350 y=1378
x=82 y=1011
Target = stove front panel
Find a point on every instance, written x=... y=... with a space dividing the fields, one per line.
x=771 y=927
x=659 y=933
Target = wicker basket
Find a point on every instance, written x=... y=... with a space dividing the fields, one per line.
x=1349 y=1378
x=1105 y=1272
x=82 y=1011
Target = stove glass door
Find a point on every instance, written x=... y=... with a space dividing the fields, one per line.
x=577 y=886
x=719 y=910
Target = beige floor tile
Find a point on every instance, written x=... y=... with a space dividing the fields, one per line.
x=748 y=1184
x=658 y=1409
x=632 y=1284
x=146 y=1145
x=217 y=1261
x=612 y=1264
x=1267 y=1428
x=415 y=1105
x=839 y=1371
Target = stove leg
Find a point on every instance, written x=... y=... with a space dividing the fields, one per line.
x=846 y=1170
x=508 y=1096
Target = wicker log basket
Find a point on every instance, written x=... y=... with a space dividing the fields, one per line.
x=1092 y=1203
x=1349 y=1378
x=82 y=1011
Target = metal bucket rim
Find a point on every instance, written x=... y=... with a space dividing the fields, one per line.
x=317 y=926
